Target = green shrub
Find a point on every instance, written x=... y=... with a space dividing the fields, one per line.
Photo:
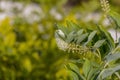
x=93 y=54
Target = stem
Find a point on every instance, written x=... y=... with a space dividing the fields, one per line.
x=118 y=75
x=99 y=54
x=116 y=36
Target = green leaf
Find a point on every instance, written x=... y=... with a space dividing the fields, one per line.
x=59 y=34
x=80 y=32
x=63 y=28
x=106 y=35
x=86 y=67
x=73 y=75
x=108 y=72
x=112 y=57
x=94 y=71
x=75 y=69
x=72 y=26
x=99 y=43
x=92 y=74
x=90 y=37
x=116 y=18
x=77 y=61
x=81 y=38
x=70 y=36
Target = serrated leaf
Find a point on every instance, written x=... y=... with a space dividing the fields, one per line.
x=86 y=67
x=112 y=57
x=91 y=36
x=99 y=43
x=81 y=38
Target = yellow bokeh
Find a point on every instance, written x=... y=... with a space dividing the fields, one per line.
x=71 y=18
x=10 y=39
x=62 y=73
x=5 y=26
x=27 y=64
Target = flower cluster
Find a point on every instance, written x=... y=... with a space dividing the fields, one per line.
x=105 y=6
x=70 y=47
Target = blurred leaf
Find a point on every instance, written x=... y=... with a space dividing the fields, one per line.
x=93 y=73
x=63 y=28
x=86 y=67
x=91 y=36
x=73 y=75
x=27 y=64
x=116 y=18
x=107 y=36
x=70 y=36
x=112 y=57
x=81 y=38
x=80 y=32
x=99 y=43
x=108 y=72
x=77 y=61
x=72 y=26
x=60 y=74
x=5 y=26
x=75 y=69
x=10 y=39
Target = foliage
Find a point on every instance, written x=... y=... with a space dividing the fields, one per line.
x=26 y=54
x=94 y=47
x=28 y=50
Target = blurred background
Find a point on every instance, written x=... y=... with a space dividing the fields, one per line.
x=28 y=50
